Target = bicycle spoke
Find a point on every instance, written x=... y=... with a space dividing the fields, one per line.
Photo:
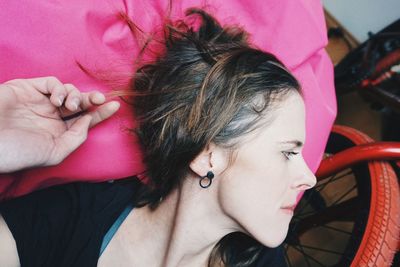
x=330 y=180
x=333 y=180
x=320 y=188
x=305 y=214
x=302 y=252
x=287 y=258
x=308 y=256
x=321 y=249
x=306 y=204
x=339 y=212
x=336 y=229
x=345 y=194
x=312 y=192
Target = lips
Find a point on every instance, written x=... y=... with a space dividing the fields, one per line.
x=291 y=208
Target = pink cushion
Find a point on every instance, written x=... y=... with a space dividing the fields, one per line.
x=47 y=38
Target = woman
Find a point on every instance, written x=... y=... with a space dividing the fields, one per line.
x=222 y=126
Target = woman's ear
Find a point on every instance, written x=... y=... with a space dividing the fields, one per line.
x=212 y=158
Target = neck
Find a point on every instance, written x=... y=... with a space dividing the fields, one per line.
x=187 y=225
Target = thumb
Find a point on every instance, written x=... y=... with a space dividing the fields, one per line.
x=71 y=139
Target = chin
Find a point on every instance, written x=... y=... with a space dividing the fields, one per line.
x=275 y=239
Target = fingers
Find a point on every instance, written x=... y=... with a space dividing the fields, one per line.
x=45 y=85
x=57 y=94
x=91 y=99
x=65 y=95
x=77 y=103
x=103 y=112
x=73 y=98
x=49 y=86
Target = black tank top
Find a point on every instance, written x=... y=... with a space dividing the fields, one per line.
x=64 y=226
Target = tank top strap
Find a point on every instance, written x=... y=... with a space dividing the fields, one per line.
x=113 y=229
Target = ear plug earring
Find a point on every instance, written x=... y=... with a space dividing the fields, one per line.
x=206 y=181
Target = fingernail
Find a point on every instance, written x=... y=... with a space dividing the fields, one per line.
x=61 y=100
x=115 y=105
x=75 y=104
x=100 y=97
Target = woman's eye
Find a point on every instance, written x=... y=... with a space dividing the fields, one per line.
x=289 y=154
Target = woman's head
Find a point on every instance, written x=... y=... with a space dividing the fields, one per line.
x=209 y=87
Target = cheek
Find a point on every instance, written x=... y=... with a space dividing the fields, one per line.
x=268 y=175
x=254 y=186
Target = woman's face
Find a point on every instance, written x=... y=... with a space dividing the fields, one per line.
x=260 y=188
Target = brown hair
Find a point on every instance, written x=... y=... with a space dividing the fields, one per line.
x=208 y=86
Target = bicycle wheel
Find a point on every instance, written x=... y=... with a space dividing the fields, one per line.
x=355 y=226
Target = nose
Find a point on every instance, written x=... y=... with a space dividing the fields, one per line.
x=305 y=177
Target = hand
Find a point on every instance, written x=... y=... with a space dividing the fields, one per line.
x=42 y=121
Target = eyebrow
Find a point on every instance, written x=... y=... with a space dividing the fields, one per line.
x=295 y=143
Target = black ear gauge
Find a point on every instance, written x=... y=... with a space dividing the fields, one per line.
x=206 y=181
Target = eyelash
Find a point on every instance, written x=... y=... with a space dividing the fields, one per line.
x=289 y=154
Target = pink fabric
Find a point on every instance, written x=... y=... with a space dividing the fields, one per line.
x=47 y=38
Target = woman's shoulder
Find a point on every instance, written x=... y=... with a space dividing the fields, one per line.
x=65 y=225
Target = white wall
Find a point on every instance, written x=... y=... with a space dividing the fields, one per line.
x=361 y=16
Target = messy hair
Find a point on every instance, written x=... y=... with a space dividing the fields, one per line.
x=208 y=86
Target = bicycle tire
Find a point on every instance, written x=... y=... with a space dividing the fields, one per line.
x=381 y=238
x=374 y=236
